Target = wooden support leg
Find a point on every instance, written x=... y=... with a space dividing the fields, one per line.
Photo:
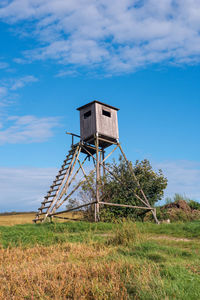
x=97 y=179
x=145 y=198
x=154 y=215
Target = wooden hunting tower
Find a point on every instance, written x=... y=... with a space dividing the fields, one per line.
x=99 y=119
x=98 y=131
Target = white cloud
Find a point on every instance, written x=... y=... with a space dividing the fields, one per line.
x=3 y=91
x=119 y=36
x=3 y=65
x=183 y=178
x=27 y=129
x=23 y=189
x=10 y=85
x=3 y=95
x=22 y=81
x=64 y=73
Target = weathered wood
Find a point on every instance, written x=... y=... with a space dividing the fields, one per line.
x=77 y=186
x=126 y=205
x=73 y=134
x=87 y=178
x=97 y=179
x=69 y=174
x=65 y=218
x=54 y=196
x=141 y=190
x=103 y=167
x=109 y=140
x=99 y=130
x=75 y=153
x=135 y=178
x=104 y=159
x=98 y=118
x=108 y=170
x=71 y=209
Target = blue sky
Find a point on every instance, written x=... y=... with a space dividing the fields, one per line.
x=140 y=56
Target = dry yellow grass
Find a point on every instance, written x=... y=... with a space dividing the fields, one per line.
x=69 y=271
x=127 y=264
x=10 y=220
x=75 y=271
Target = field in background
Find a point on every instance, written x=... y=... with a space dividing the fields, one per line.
x=82 y=260
x=26 y=218
x=10 y=220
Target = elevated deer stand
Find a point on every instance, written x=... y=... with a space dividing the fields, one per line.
x=99 y=131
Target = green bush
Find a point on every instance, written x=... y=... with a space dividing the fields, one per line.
x=194 y=204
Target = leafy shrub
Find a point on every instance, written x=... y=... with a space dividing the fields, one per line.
x=194 y=204
x=121 y=187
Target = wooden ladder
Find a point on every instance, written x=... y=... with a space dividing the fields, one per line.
x=60 y=185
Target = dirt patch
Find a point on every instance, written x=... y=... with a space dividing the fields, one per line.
x=171 y=238
x=104 y=234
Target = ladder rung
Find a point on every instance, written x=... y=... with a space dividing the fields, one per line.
x=61 y=170
x=57 y=181
x=46 y=202
x=50 y=196
x=54 y=190
x=53 y=194
x=42 y=213
x=58 y=176
x=62 y=173
x=53 y=185
x=35 y=220
x=65 y=169
x=66 y=161
x=44 y=207
x=69 y=158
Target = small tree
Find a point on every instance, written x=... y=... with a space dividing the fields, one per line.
x=72 y=202
x=123 y=191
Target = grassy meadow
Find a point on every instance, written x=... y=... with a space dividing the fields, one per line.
x=15 y=219
x=26 y=218
x=82 y=260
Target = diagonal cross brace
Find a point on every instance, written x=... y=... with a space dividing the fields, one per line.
x=145 y=201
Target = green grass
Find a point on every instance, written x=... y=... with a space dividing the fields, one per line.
x=184 y=230
x=156 y=262
x=51 y=233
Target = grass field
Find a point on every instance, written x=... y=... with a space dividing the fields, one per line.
x=81 y=260
x=15 y=219
x=10 y=220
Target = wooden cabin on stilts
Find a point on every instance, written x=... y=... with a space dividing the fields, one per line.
x=98 y=133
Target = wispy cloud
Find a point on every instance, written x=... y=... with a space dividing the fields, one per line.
x=11 y=85
x=3 y=96
x=119 y=36
x=22 y=189
x=3 y=91
x=3 y=65
x=22 y=81
x=183 y=178
x=27 y=129
x=65 y=73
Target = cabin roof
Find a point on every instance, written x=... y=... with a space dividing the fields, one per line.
x=95 y=101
